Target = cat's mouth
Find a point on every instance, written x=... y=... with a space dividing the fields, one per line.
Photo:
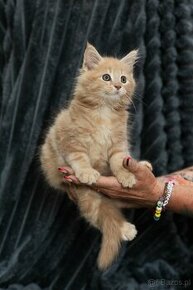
x=114 y=94
x=117 y=94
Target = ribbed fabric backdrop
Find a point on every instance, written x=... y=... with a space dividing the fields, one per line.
x=44 y=244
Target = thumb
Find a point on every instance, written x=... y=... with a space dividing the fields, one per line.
x=131 y=164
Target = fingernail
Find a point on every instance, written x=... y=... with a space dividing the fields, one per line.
x=128 y=159
x=73 y=179
x=62 y=170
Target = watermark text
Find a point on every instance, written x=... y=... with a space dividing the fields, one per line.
x=164 y=282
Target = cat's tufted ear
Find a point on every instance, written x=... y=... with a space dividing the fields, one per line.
x=130 y=59
x=91 y=57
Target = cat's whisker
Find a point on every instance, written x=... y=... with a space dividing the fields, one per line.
x=133 y=105
x=136 y=96
x=139 y=100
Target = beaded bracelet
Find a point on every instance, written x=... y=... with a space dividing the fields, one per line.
x=163 y=201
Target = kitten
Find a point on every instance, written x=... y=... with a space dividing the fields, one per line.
x=90 y=136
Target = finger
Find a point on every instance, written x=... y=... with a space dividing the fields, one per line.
x=66 y=170
x=71 y=178
x=67 y=180
x=131 y=164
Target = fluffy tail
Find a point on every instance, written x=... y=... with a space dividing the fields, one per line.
x=113 y=234
x=108 y=252
x=105 y=216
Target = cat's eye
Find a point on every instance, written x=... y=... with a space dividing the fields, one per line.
x=106 y=77
x=123 y=79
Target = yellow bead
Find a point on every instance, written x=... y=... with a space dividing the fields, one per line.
x=158 y=210
x=157 y=214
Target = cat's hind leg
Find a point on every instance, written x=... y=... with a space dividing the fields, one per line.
x=104 y=215
x=49 y=165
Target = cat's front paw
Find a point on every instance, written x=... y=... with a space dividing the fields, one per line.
x=127 y=179
x=88 y=176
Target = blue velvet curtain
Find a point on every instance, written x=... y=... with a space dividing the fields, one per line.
x=44 y=244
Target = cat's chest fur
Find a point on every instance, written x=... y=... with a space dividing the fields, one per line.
x=103 y=130
x=101 y=139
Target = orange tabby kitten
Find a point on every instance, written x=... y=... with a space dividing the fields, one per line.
x=90 y=136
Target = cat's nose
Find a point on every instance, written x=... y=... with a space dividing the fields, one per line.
x=117 y=87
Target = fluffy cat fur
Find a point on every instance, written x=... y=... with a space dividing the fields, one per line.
x=90 y=136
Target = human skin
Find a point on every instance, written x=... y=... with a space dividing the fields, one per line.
x=148 y=189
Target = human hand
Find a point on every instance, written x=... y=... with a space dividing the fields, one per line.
x=144 y=193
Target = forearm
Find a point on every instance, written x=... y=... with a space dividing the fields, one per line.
x=181 y=200
x=182 y=172
x=148 y=189
x=186 y=173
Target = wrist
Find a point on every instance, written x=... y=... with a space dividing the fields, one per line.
x=164 y=199
x=158 y=190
